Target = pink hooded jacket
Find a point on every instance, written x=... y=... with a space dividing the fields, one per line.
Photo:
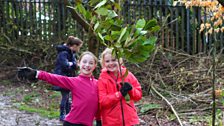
x=84 y=96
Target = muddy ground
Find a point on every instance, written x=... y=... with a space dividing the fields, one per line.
x=10 y=116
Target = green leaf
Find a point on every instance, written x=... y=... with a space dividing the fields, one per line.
x=140 y=52
x=136 y=59
x=96 y=25
x=100 y=4
x=81 y=9
x=140 y=23
x=143 y=32
x=102 y=11
x=93 y=2
x=88 y=15
x=115 y=24
x=119 y=22
x=137 y=32
x=147 y=107
x=112 y=14
x=102 y=39
x=106 y=25
x=115 y=27
x=127 y=53
x=94 y=18
x=117 y=6
x=115 y=34
x=107 y=37
x=127 y=98
x=123 y=31
x=155 y=29
x=117 y=45
x=127 y=41
x=125 y=38
x=151 y=23
x=131 y=43
x=151 y=41
x=222 y=94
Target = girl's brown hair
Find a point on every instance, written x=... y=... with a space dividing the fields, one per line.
x=73 y=41
x=88 y=53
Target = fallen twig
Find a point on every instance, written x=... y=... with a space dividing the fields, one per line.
x=157 y=120
x=174 y=111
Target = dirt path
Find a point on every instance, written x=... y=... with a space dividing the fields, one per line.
x=9 y=116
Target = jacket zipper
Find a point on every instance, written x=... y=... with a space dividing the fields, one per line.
x=122 y=110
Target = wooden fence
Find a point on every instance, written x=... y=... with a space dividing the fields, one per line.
x=48 y=20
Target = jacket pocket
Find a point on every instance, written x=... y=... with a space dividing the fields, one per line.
x=131 y=106
x=113 y=114
x=112 y=108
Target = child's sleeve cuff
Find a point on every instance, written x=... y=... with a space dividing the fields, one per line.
x=38 y=72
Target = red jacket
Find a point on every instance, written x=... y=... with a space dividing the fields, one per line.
x=111 y=100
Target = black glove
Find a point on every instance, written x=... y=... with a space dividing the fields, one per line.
x=125 y=88
x=98 y=123
x=27 y=73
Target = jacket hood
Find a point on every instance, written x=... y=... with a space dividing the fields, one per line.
x=61 y=48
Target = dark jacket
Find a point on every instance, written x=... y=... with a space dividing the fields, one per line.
x=62 y=67
x=65 y=55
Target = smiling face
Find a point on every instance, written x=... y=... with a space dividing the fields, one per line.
x=110 y=63
x=87 y=64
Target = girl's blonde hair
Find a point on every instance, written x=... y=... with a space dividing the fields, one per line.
x=107 y=51
x=88 y=53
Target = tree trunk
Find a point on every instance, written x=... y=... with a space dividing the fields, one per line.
x=93 y=44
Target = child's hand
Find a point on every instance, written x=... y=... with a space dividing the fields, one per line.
x=125 y=88
x=27 y=73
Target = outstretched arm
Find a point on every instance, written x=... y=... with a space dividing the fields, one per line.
x=27 y=73
x=54 y=79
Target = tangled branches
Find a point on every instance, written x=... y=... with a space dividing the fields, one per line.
x=185 y=80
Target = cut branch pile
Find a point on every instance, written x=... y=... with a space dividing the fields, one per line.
x=184 y=80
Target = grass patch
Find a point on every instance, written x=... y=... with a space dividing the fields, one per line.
x=55 y=94
x=5 y=82
x=49 y=113
x=31 y=96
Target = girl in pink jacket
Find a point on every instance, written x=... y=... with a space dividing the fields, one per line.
x=83 y=88
x=115 y=110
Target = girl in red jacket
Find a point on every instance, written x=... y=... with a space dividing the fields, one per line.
x=115 y=110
